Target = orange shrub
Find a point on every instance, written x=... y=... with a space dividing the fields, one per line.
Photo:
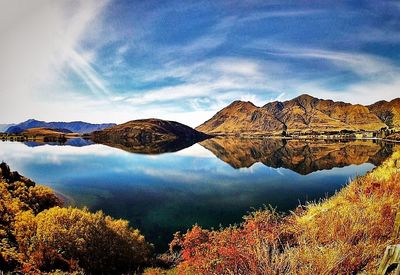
x=345 y=234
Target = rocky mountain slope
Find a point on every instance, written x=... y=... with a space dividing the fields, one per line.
x=388 y=112
x=75 y=126
x=149 y=136
x=304 y=114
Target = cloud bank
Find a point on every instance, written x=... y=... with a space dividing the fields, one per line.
x=113 y=61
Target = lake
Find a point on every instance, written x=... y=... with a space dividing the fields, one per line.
x=212 y=183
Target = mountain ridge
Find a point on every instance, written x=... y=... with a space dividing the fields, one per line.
x=302 y=114
x=4 y=127
x=388 y=112
x=74 y=126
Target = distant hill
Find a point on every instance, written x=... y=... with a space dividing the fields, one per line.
x=149 y=136
x=75 y=126
x=302 y=114
x=45 y=132
x=4 y=127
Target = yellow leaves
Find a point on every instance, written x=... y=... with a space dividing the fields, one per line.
x=43 y=198
x=24 y=230
x=387 y=169
x=37 y=235
x=97 y=242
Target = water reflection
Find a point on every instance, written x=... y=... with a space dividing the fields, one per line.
x=303 y=157
x=162 y=194
x=75 y=142
x=149 y=148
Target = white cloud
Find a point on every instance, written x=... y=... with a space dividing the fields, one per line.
x=366 y=93
x=278 y=14
x=240 y=67
x=218 y=78
x=39 y=38
x=195 y=150
x=379 y=76
x=44 y=41
x=85 y=71
x=359 y=63
x=14 y=151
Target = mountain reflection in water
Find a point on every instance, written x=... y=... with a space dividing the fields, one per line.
x=150 y=148
x=301 y=156
x=164 y=193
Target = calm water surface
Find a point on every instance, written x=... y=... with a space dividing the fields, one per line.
x=206 y=184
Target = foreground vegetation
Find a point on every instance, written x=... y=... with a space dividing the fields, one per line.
x=395 y=136
x=37 y=235
x=345 y=234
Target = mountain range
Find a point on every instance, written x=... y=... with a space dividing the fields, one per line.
x=75 y=126
x=303 y=114
x=4 y=127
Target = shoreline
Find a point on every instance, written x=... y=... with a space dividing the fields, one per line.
x=41 y=139
x=256 y=136
x=65 y=200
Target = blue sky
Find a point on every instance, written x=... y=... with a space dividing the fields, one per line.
x=113 y=61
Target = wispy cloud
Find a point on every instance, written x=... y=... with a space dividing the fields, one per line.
x=359 y=63
x=219 y=80
x=121 y=60
x=87 y=73
x=39 y=39
x=279 y=14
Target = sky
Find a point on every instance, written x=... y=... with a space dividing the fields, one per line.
x=115 y=61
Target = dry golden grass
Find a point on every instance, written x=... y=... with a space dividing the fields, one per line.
x=41 y=132
x=395 y=136
x=345 y=234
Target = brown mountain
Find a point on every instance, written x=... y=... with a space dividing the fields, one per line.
x=388 y=112
x=299 y=156
x=301 y=114
x=149 y=136
x=49 y=135
x=45 y=132
x=242 y=117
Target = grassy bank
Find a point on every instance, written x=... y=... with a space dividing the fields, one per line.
x=345 y=234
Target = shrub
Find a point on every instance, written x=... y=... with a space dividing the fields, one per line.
x=68 y=238
x=345 y=234
x=37 y=235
